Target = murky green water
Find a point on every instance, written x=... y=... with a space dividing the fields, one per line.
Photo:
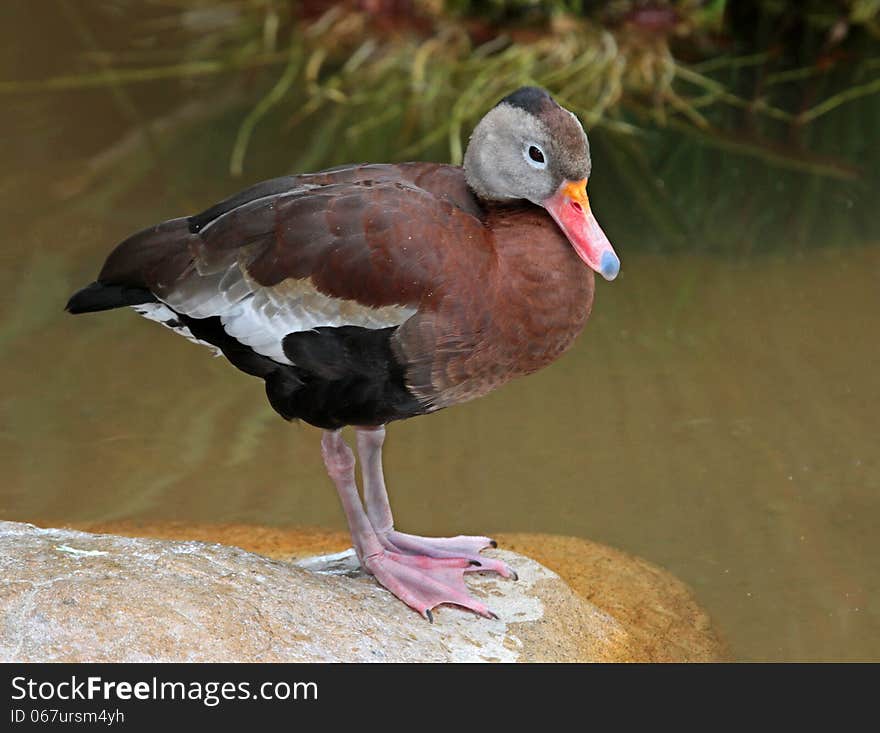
x=718 y=416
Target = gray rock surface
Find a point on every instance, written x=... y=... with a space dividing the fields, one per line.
x=73 y=596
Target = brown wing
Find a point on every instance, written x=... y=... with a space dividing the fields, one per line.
x=377 y=243
x=365 y=253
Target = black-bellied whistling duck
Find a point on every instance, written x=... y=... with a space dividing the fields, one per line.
x=371 y=293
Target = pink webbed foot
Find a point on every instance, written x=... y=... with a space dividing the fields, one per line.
x=460 y=547
x=425 y=582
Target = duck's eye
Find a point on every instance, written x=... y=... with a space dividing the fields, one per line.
x=535 y=156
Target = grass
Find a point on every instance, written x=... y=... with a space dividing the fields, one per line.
x=751 y=100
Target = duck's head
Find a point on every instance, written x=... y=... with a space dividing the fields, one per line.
x=528 y=147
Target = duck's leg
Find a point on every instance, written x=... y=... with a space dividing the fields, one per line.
x=419 y=581
x=369 y=443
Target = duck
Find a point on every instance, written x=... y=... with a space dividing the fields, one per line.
x=370 y=293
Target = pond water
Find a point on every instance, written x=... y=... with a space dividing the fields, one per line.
x=718 y=417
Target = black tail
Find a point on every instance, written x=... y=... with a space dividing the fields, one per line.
x=101 y=297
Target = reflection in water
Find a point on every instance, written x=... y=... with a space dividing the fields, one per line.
x=718 y=417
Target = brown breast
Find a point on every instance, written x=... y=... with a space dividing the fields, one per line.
x=487 y=325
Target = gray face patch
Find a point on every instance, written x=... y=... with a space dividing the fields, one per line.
x=496 y=163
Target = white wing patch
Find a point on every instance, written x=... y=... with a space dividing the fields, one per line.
x=260 y=317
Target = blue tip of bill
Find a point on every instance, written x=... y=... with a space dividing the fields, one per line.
x=609 y=266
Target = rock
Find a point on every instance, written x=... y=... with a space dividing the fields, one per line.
x=659 y=612
x=72 y=596
x=664 y=622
